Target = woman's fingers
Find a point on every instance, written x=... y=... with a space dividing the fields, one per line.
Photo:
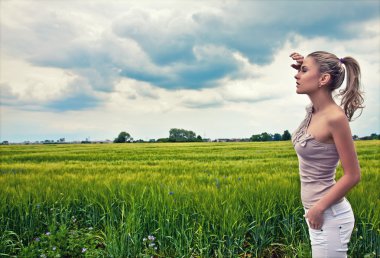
x=298 y=58
x=314 y=218
x=315 y=226
x=295 y=54
x=296 y=66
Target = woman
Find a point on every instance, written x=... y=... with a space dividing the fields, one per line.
x=323 y=138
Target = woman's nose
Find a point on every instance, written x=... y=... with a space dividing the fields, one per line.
x=297 y=75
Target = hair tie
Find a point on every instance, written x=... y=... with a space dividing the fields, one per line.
x=341 y=60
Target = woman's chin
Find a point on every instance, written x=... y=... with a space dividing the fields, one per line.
x=299 y=91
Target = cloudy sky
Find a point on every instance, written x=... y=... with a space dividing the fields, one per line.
x=90 y=69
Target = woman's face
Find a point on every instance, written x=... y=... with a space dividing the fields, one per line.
x=308 y=77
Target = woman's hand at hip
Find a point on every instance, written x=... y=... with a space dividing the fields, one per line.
x=315 y=218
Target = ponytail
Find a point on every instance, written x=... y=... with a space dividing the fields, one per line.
x=352 y=96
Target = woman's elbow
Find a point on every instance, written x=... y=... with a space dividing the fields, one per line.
x=356 y=177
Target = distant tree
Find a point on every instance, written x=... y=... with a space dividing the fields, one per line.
x=286 y=136
x=263 y=137
x=182 y=135
x=123 y=137
x=267 y=137
x=256 y=138
x=277 y=137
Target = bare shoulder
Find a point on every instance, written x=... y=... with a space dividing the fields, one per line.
x=335 y=117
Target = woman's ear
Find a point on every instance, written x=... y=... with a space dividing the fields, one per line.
x=324 y=79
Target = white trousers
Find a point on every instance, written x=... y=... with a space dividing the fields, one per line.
x=332 y=240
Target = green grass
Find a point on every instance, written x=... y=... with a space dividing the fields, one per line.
x=196 y=199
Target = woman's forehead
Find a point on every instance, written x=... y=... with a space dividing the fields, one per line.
x=308 y=61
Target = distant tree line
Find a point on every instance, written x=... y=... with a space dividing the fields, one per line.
x=266 y=137
x=182 y=135
x=373 y=136
x=175 y=135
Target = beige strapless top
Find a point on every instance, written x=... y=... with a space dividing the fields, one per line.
x=317 y=163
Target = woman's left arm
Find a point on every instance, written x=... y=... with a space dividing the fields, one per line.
x=341 y=133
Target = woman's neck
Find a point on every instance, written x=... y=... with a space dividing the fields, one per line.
x=320 y=100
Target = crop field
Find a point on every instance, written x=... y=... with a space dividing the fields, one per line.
x=168 y=200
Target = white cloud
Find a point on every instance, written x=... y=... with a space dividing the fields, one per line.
x=30 y=83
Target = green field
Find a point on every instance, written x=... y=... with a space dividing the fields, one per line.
x=168 y=200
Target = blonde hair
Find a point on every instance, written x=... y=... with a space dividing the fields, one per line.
x=352 y=96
